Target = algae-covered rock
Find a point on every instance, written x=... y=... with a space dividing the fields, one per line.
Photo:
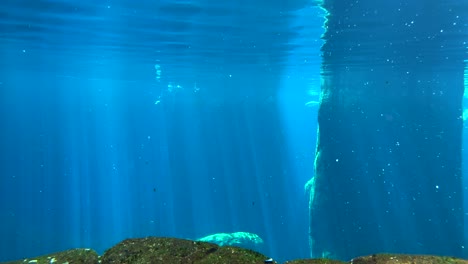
x=154 y=250
x=315 y=261
x=234 y=255
x=157 y=250
x=406 y=259
x=171 y=250
x=386 y=259
x=75 y=256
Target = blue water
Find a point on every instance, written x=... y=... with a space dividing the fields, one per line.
x=178 y=118
x=171 y=118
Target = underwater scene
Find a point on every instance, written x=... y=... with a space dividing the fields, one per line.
x=261 y=131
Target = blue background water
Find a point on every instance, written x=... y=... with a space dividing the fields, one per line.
x=170 y=118
x=139 y=118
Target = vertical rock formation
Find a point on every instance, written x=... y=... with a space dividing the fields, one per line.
x=388 y=160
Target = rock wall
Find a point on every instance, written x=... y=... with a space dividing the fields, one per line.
x=388 y=159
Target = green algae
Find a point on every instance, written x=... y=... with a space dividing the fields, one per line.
x=154 y=250
x=315 y=261
x=234 y=255
x=406 y=259
x=72 y=256
x=171 y=250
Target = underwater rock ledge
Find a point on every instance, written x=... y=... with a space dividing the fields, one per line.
x=154 y=250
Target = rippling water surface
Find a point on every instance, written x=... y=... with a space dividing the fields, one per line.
x=206 y=38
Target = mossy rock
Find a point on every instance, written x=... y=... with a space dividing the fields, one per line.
x=153 y=250
x=234 y=255
x=406 y=259
x=315 y=261
x=75 y=256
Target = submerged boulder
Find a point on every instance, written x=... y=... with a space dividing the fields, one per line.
x=386 y=259
x=172 y=250
x=315 y=261
x=154 y=250
x=75 y=256
x=406 y=259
